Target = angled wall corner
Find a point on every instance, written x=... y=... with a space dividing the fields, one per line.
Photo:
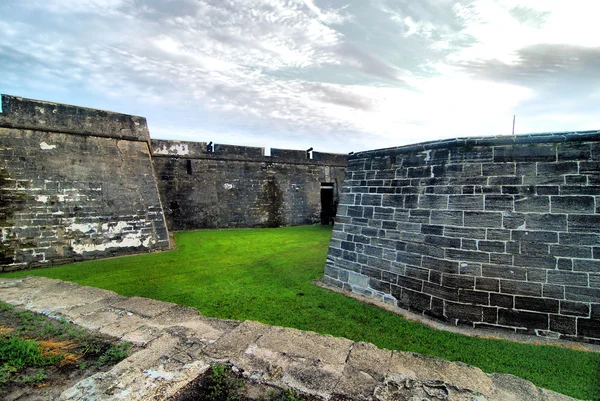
x=76 y=184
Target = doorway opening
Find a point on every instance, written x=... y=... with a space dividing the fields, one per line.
x=328 y=205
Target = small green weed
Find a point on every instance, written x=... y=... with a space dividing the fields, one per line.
x=115 y=354
x=287 y=394
x=223 y=384
x=39 y=377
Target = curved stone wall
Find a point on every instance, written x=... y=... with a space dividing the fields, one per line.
x=497 y=232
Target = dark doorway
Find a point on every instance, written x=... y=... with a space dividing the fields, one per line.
x=328 y=206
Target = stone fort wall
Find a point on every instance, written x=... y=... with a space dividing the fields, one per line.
x=237 y=186
x=75 y=184
x=499 y=232
x=78 y=183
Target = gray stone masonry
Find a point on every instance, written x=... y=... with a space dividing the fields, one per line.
x=178 y=345
x=75 y=184
x=492 y=232
x=237 y=186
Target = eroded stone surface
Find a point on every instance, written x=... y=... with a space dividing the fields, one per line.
x=180 y=344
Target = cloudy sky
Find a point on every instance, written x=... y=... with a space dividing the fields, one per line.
x=337 y=75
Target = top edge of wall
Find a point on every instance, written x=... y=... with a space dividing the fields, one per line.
x=38 y=115
x=189 y=149
x=498 y=140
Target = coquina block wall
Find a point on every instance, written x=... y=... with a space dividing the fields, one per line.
x=238 y=186
x=499 y=232
x=75 y=184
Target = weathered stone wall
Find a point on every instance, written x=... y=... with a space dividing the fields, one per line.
x=237 y=186
x=497 y=232
x=75 y=184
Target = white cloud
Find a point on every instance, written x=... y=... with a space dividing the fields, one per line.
x=277 y=72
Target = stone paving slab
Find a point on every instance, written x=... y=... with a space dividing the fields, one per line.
x=144 y=306
x=179 y=344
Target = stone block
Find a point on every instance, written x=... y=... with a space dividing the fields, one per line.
x=410 y=283
x=502 y=300
x=520 y=288
x=588 y=223
x=574 y=308
x=571 y=251
x=572 y=204
x=546 y=221
x=582 y=294
x=537 y=275
x=408 y=258
x=414 y=300
x=513 y=221
x=487 y=284
x=553 y=291
x=499 y=202
x=567 y=278
x=563 y=324
x=483 y=219
x=532 y=204
x=495 y=169
x=525 y=153
x=447 y=217
x=473 y=297
x=463 y=312
x=446 y=293
x=470 y=268
x=470 y=256
x=505 y=180
x=547 y=237
x=357 y=279
x=432 y=229
x=464 y=232
x=465 y=202
x=588 y=328
x=507 y=272
x=586 y=265
x=491 y=246
x=573 y=151
x=537 y=304
x=529 y=320
x=416 y=272
x=433 y=201
x=458 y=281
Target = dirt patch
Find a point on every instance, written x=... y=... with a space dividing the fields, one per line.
x=41 y=357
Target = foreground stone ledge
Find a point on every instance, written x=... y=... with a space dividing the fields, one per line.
x=179 y=345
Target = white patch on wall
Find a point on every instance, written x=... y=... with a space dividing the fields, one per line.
x=177 y=149
x=228 y=186
x=83 y=227
x=41 y=198
x=427 y=156
x=133 y=240
x=45 y=146
x=109 y=230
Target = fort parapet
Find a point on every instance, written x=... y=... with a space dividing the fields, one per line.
x=493 y=232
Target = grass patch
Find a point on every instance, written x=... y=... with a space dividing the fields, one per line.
x=266 y=275
x=35 y=349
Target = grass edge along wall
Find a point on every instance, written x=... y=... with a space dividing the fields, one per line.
x=499 y=232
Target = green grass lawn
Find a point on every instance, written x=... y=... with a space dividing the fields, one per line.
x=266 y=275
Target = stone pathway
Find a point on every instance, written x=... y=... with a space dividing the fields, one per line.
x=179 y=344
